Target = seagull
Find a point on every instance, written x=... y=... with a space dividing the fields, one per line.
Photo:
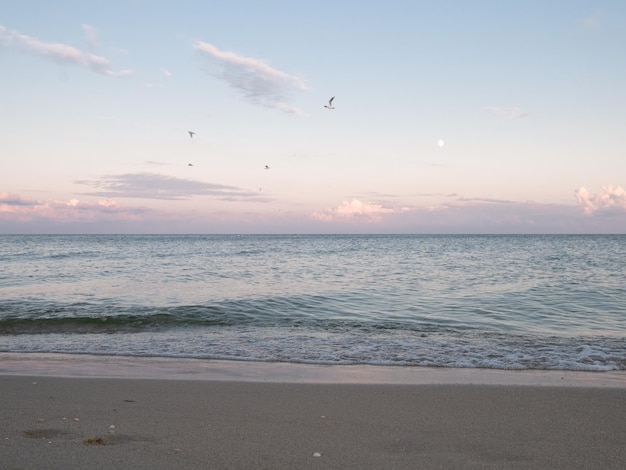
x=330 y=104
x=189 y=164
x=191 y=134
x=267 y=167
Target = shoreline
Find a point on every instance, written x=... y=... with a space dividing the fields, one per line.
x=163 y=368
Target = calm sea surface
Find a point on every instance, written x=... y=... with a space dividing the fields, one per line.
x=508 y=302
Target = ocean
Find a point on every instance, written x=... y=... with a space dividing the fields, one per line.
x=478 y=301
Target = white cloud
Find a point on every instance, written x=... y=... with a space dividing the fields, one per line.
x=61 y=53
x=612 y=200
x=257 y=81
x=509 y=114
x=355 y=209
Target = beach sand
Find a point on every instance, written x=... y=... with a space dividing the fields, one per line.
x=77 y=421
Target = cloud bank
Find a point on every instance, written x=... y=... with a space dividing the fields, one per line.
x=457 y=216
x=258 y=82
x=61 y=53
x=611 y=201
x=156 y=186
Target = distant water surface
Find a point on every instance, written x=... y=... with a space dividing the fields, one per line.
x=508 y=302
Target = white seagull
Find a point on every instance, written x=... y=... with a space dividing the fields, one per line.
x=191 y=134
x=330 y=104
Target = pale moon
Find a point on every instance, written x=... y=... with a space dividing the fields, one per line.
x=441 y=143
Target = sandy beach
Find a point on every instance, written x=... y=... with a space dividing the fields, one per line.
x=50 y=421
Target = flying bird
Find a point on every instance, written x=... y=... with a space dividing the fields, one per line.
x=189 y=164
x=267 y=167
x=191 y=134
x=330 y=104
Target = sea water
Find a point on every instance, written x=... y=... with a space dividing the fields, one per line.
x=488 y=301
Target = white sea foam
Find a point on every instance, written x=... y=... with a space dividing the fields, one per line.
x=322 y=347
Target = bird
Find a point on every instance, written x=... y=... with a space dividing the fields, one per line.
x=189 y=164
x=191 y=134
x=267 y=167
x=330 y=104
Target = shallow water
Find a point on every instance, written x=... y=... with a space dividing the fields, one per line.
x=510 y=302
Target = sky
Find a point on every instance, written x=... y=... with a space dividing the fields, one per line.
x=449 y=116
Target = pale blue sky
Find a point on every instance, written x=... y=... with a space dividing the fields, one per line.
x=450 y=116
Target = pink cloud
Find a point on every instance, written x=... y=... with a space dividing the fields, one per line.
x=612 y=200
x=465 y=215
x=17 y=208
x=355 y=209
x=258 y=82
x=61 y=53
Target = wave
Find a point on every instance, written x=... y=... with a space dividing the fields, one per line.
x=75 y=319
